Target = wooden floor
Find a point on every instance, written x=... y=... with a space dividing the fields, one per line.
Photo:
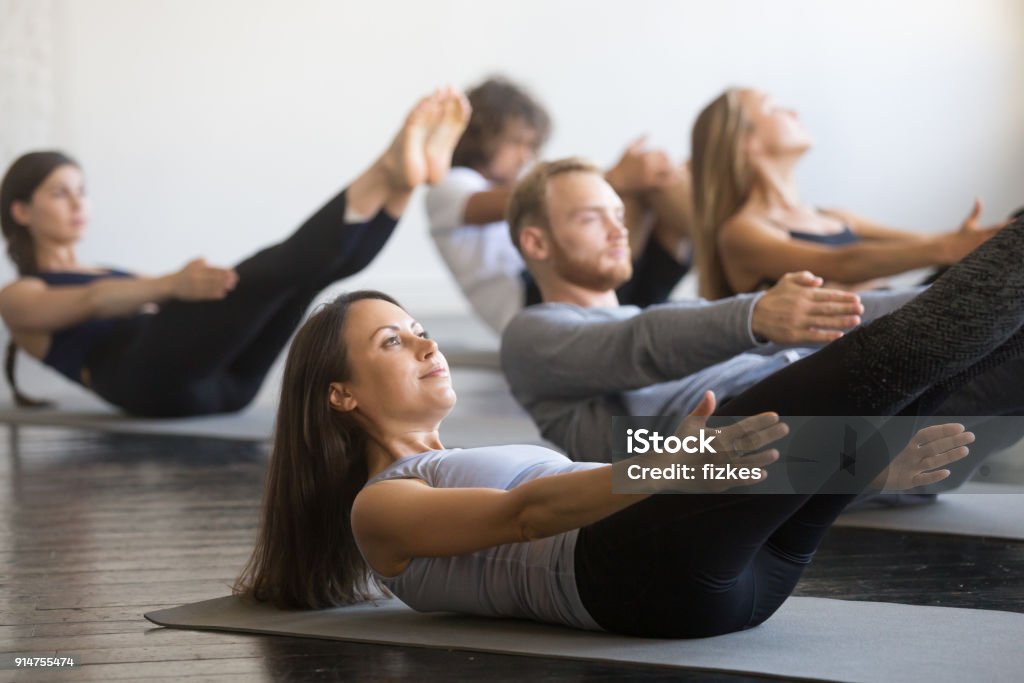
x=98 y=528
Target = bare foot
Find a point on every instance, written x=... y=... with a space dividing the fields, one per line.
x=405 y=162
x=455 y=111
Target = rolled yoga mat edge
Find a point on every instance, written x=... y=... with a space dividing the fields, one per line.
x=976 y=509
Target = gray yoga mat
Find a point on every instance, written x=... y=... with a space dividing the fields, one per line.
x=463 y=430
x=810 y=638
x=254 y=424
x=975 y=509
x=257 y=424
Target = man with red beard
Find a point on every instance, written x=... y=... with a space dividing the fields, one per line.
x=579 y=358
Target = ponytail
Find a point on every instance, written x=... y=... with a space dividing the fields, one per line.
x=721 y=185
x=20 y=399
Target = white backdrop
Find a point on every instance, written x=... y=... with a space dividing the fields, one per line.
x=212 y=127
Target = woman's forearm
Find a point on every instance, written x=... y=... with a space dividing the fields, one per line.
x=877 y=259
x=117 y=297
x=563 y=502
x=29 y=305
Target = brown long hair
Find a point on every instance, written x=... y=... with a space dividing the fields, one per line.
x=495 y=102
x=722 y=180
x=23 y=177
x=305 y=554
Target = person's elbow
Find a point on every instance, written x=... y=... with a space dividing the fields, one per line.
x=94 y=301
x=527 y=518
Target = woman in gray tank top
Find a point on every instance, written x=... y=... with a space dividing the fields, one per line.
x=360 y=491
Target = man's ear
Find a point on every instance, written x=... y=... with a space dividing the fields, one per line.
x=340 y=399
x=535 y=243
x=19 y=212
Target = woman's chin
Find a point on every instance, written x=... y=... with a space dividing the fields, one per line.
x=802 y=144
x=452 y=399
x=441 y=405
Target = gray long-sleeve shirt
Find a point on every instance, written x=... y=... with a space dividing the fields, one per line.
x=574 y=368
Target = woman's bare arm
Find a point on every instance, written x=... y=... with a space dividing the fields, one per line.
x=30 y=305
x=399 y=519
x=753 y=251
x=870 y=230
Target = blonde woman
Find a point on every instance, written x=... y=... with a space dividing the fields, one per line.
x=752 y=227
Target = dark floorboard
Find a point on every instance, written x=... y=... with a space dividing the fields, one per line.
x=96 y=529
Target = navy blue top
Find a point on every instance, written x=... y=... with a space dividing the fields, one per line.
x=70 y=347
x=836 y=239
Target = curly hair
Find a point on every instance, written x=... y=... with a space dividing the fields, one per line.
x=495 y=102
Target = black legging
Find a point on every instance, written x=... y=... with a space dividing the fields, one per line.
x=701 y=565
x=197 y=358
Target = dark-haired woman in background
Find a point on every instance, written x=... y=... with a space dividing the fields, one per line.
x=751 y=226
x=216 y=331
x=361 y=490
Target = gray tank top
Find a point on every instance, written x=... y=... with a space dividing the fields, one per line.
x=535 y=580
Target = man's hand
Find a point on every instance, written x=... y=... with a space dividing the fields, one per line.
x=918 y=464
x=798 y=310
x=640 y=169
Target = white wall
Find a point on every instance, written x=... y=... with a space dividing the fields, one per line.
x=213 y=127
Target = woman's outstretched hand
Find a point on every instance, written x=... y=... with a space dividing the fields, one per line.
x=199 y=281
x=738 y=446
x=971 y=235
x=971 y=223
x=919 y=463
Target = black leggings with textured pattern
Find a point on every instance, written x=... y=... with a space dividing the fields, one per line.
x=701 y=565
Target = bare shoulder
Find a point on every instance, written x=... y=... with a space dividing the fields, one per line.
x=381 y=497
x=746 y=226
x=23 y=286
x=374 y=512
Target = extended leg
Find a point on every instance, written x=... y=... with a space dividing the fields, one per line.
x=684 y=565
x=326 y=248
x=732 y=563
x=190 y=341
x=781 y=561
